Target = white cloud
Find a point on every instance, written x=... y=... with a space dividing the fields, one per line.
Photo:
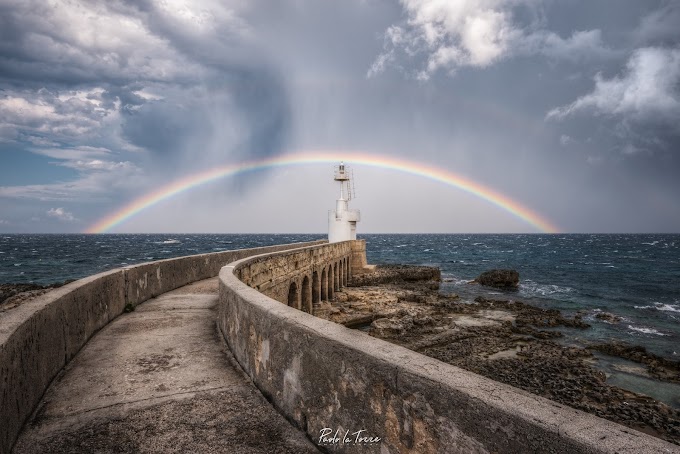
x=74 y=153
x=99 y=165
x=98 y=181
x=648 y=90
x=107 y=39
x=456 y=33
x=3 y=222
x=61 y=214
x=565 y=140
x=65 y=115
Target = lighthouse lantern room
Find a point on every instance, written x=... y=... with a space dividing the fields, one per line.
x=342 y=222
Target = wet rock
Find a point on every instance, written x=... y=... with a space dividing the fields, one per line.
x=386 y=274
x=503 y=279
x=608 y=317
x=657 y=367
x=534 y=316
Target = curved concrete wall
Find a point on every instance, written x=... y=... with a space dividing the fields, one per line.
x=38 y=338
x=323 y=375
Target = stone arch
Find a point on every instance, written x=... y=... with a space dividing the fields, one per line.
x=341 y=274
x=336 y=277
x=331 y=288
x=316 y=289
x=344 y=262
x=293 y=295
x=324 y=285
x=306 y=295
x=346 y=268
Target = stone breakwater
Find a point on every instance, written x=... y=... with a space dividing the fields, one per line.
x=505 y=340
x=42 y=334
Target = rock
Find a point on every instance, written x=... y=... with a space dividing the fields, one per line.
x=13 y=295
x=359 y=321
x=387 y=326
x=341 y=297
x=504 y=279
x=387 y=274
x=657 y=366
x=607 y=317
x=9 y=290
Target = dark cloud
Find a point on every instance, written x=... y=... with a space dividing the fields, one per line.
x=130 y=95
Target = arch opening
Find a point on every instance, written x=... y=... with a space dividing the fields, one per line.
x=324 y=285
x=316 y=289
x=293 y=295
x=306 y=295
x=331 y=282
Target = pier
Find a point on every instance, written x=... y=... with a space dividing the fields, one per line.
x=220 y=351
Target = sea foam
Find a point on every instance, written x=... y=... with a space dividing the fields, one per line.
x=642 y=329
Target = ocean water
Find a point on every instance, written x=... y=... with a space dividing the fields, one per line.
x=636 y=277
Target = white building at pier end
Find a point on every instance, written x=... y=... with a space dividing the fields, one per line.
x=342 y=222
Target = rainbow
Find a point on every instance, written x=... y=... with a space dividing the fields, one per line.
x=386 y=162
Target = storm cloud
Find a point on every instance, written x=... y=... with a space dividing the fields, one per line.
x=570 y=108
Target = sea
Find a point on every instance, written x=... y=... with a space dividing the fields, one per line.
x=635 y=277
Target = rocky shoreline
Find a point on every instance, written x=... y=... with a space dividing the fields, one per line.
x=13 y=295
x=505 y=340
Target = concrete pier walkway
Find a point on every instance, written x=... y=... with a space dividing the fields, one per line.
x=159 y=380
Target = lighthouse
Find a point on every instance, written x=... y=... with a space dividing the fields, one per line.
x=342 y=222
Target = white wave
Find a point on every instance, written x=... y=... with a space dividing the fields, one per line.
x=661 y=307
x=457 y=281
x=428 y=250
x=645 y=330
x=170 y=242
x=543 y=289
x=652 y=243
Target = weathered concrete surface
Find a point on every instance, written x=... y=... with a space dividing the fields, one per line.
x=161 y=380
x=322 y=375
x=41 y=336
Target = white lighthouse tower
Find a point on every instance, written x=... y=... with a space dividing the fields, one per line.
x=342 y=223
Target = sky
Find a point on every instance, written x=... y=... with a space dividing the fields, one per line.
x=569 y=108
